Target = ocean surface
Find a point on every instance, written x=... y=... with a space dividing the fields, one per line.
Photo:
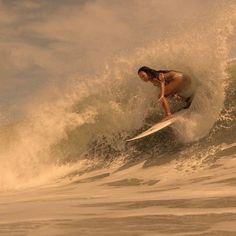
x=65 y=167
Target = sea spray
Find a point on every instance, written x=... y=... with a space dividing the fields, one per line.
x=95 y=113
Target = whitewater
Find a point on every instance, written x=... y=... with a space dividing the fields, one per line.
x=65 y=167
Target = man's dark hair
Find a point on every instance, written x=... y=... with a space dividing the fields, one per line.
x=151 y=72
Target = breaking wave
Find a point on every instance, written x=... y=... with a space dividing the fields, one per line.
x=92 y=116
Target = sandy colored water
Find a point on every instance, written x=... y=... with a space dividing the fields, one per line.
x=160 y=200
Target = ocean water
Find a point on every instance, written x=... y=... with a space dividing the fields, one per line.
x=65 y=168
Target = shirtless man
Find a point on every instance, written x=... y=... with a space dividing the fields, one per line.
x=171 y=83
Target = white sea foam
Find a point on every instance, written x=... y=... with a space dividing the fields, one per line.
x=115 y=101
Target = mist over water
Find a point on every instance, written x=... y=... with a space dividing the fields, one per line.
x=75 y=71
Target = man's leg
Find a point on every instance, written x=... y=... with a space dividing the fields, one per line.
x=166 y=107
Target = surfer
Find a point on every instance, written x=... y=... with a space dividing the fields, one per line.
x=171 y=83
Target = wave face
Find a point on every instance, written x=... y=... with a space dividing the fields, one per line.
x=90 y=116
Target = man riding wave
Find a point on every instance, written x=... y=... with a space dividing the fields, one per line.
x=171 y=83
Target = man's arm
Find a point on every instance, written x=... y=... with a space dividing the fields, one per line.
x=162 y=98
x=162 y=86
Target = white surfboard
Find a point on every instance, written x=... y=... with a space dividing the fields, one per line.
x=159 y=126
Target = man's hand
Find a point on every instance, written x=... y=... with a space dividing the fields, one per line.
x=161 y=98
